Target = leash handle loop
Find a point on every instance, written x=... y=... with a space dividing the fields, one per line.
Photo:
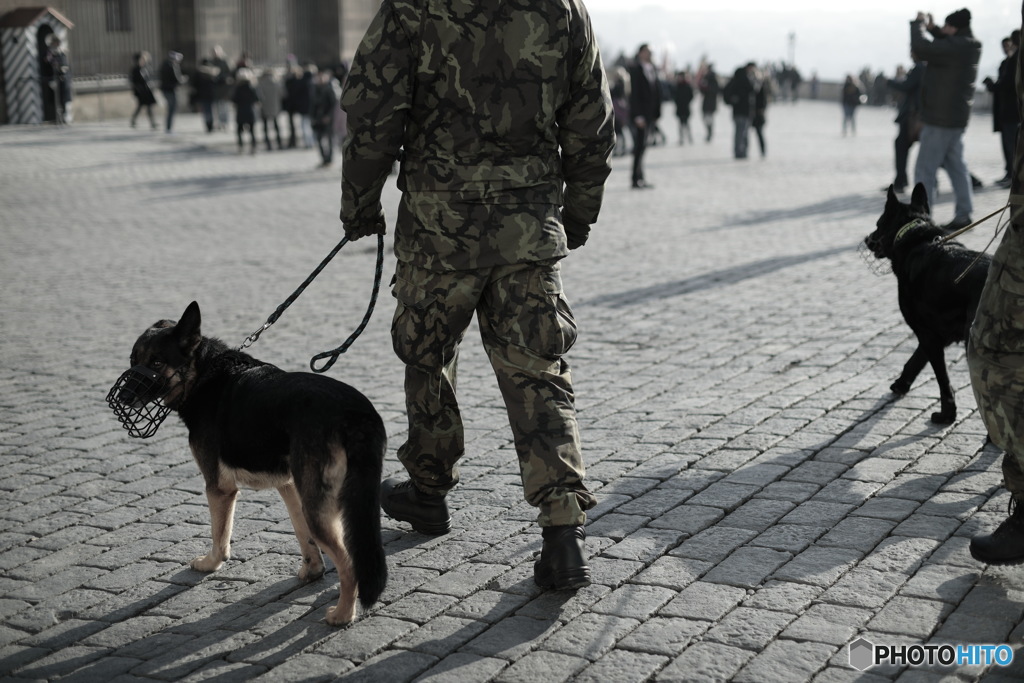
x=331 y=356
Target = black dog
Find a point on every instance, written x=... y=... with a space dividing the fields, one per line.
x=938 y=307
x=318 y=441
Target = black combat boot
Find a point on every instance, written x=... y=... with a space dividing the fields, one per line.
x=562 y=565
x=1005 y=545
x=427 y=513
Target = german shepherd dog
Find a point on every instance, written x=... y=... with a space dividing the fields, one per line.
x=937 y=307
x=318 y=441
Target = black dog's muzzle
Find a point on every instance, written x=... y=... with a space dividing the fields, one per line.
x=137 y=400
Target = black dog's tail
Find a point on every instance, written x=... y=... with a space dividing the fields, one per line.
x=360 y=509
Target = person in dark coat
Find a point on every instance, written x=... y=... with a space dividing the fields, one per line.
x=1005 y=115
x=56 y=72
x=170 y=79
x=740 y=94
x=292 y=82
x=710 y=89
x=644 y=109
x=683 y=96
x=908 y=118
x=139 y=78
x=245 y=98
x=304 y=104
x=761 y=98
x=322 y=115
x=205 y=91
x=851 y=97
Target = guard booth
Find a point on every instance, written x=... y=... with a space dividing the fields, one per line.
x=28 y=97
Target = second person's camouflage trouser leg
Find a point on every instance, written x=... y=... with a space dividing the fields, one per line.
x=995 y=355
x=526 y=326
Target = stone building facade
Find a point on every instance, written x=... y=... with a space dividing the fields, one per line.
x=107 y=33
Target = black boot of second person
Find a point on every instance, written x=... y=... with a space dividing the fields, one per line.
x=1005 y=545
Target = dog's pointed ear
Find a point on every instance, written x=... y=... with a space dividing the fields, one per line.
x=890 y=197
x=919 y=199
x=187 y=329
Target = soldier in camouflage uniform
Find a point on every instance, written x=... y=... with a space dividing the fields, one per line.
x=995 y=355
x=503 y=116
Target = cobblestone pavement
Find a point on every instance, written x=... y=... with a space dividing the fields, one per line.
x=764 y=500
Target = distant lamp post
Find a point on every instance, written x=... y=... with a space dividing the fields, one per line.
x=792 y=48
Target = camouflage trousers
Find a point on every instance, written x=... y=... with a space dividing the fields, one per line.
x=526 y=326
x=995 y=356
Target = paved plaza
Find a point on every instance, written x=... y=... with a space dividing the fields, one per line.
x=764 y=501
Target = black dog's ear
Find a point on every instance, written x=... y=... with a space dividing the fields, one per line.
x=919 y=199
x=187 y=329
x=890 y=197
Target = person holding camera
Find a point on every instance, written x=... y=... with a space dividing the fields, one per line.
x=947 y=94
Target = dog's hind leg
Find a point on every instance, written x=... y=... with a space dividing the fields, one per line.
x=312 y=562
x=911 y=370
x=330 y=535
x=222 y=515
x=320 y=492
x=947 y=404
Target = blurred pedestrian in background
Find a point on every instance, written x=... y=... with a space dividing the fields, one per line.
x=144 y=97
x=222 y=86
x=644 y=109
x=246 y=100
x=269 y=91
x=325 y=101
x=851 y=97
x=170 y=79
x=1005 y=114
x=683 y=96
x=762 y=96
x=709 y=89
x=908 y=118
x=740 y=93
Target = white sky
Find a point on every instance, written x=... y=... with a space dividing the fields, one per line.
x=831 y=37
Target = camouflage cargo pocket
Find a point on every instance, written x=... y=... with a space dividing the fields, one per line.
x=533 y=313
x=416 y=330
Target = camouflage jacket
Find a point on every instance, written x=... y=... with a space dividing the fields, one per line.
x=503 y=118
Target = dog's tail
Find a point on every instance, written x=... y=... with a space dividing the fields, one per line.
x=360 y=509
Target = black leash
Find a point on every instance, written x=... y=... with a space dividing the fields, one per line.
x=333 y=354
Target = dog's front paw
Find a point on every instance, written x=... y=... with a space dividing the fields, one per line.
x=207 y=563
x=900 y=387
x=946 y=416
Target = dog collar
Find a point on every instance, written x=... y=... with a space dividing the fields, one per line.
x=901 y=233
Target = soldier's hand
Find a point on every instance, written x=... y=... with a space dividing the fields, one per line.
x=376 y=226
x=576 y=234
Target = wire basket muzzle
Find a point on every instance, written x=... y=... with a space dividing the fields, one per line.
x=137 y=401
x=878 y=266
